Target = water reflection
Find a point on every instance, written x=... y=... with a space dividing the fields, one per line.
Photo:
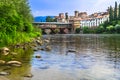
x=96 y=58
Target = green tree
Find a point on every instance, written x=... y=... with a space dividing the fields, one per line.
x=111 y=13
x=15 y=21
x=115 y=11
x=49 y=19
x=55 y=20
x=17 y=13
x=119 y=13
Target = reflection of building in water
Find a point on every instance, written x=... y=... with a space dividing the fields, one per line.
x=60 y=45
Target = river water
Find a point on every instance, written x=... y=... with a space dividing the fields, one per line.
x=75 y=57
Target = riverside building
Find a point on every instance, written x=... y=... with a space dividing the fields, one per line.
x=82 y=19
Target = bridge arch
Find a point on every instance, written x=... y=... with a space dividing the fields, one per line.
x=54 y=27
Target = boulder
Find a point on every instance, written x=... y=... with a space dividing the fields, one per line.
x=2 y=62
x=5 y=50
x=34 y=45
x=14 y=63
x=4 y=73
x=39 y=38
x=39 y=42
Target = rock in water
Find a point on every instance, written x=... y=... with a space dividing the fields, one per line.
x=48 y=48
x=70 y=50
x=37 y=56
x=14 y=63
x=28 y=75
x=4 y=73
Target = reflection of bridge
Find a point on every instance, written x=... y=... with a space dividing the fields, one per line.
x=54 y=27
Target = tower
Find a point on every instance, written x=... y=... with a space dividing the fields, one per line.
x=76 y=13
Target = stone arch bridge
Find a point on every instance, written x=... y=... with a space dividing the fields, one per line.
x=54 y=27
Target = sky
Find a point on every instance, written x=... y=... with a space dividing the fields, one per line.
x=54 y=7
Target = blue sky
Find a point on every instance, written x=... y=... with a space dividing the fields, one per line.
x=54 y=7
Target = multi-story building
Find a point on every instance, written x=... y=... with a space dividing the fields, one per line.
x=81 y=19
x=83 y=15
x=94 y=20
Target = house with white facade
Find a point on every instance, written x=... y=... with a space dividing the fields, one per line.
x=94 y=20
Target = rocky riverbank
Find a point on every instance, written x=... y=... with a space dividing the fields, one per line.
x=9 y=55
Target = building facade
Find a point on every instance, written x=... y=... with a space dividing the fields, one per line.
x=80 y=20
x=94 y=20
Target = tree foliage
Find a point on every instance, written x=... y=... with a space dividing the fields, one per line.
x=115 y=11
x=111 y=13
x=15 y=15
x=119 y=13
x=77 y=30
x=50 y=19
x=15 y=20
x=86 y=29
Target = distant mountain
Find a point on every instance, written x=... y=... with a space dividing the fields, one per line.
x=41 y=18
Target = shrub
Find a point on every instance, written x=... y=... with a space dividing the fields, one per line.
x=117 y=28
x=86 y=29
x=110 y=29
x=77 y=30
x=99 y=29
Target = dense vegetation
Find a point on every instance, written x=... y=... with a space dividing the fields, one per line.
x=15 y=22
x=111 y=26
x=50 y=19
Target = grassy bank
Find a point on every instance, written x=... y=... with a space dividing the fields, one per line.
x=17 y=37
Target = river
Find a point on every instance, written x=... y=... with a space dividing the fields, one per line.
x=74 y=57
